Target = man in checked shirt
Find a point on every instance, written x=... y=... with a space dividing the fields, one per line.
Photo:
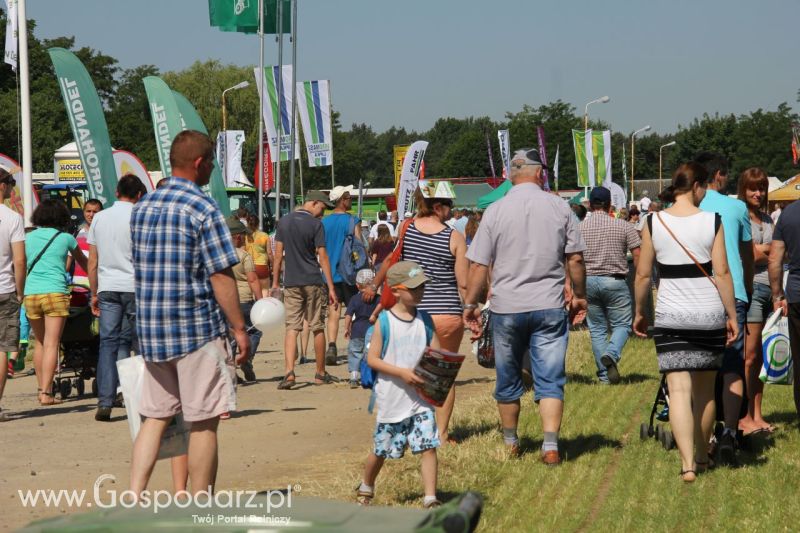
x=182 y=259
x=609 y=317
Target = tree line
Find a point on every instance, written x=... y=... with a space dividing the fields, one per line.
x=458 y=146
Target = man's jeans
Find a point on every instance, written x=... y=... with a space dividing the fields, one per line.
x=545 y=333
x=609 y=310
x=117 y=337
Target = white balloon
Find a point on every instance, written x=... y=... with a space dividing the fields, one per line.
x=267 y=313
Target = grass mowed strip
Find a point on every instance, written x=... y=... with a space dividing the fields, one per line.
x=610 y=480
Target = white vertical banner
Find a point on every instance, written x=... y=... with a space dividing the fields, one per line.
x=274 y=110
x=589 y=147
x=607 y=157
x=12 y=28
x=505 y=151
x=555 y=168
x=409 y=177
x=314 y=107
x=229 y=157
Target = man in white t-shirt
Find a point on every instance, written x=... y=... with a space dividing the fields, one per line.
x=111 y=279
x=644 y=203
x=382 y=221
x=12 y=276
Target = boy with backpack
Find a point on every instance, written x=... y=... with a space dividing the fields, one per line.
x=404 y=418
x=356 y=323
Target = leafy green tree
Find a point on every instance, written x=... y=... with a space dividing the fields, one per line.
x=129 y=122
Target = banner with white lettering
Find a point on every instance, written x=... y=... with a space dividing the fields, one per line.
x=85 y=113
x=229 y=157
x=12 y=27
x=166 y=118
x=505 y=151
x=314 y=107
x=274 y=110
x=409 y=178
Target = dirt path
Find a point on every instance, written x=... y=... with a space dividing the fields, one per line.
x=276 y=438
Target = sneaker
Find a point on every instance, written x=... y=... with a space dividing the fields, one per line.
x=249 y=373
x=354 y=384
x=726 y=449
x=103 y=414
x=331 y=355
x=611 y=369
x=119 y=401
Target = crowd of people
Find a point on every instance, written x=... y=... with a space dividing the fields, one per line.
x=172 y=279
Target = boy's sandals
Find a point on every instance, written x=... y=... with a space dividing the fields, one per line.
x=52 y=399
x=325 y=379
x=286 y=383
x=364 y=497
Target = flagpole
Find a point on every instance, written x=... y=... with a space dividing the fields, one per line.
x=25 y=104
x=294 y=102
x=279 y=117
x=330 y=114
x=300 y=165
x=260 y=184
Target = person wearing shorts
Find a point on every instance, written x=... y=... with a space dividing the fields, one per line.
x=46 y=289
x=183 y=256
x=300 y=244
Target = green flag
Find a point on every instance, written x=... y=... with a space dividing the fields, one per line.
x=583 y=157
x=242 y=15
x=85 y=113
x=166 y=118
x=192 y=121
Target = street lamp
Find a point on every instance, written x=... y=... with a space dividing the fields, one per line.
x=633 y=144
x=601 y=100
x=241 y=85
x=361 y=187
x=660 y=161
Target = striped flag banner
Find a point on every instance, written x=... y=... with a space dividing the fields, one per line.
x=601 y=150
x=273 y=110
x=314 y=105
x=505 y=151
x=592 y=156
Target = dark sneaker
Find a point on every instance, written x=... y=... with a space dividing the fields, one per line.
x=611 y=369
x=726 y=450
x=119 y=401
x=331 y=355
x=354 y=384
x=249 y=373
x=103 y=414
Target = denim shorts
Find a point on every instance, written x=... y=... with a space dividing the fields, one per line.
x=418 y=432
x=760 y=304
x=733 y=357
x=545 y=332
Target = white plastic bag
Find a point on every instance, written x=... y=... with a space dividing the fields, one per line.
x=777 y=367
x=176 y=437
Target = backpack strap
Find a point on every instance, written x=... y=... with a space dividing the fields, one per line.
x=429 y=328
x=383 y=322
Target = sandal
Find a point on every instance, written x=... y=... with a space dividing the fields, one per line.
x=286 y=383
x=325 y=379
x=53 y=399
x=692 y=476
x=364 y=497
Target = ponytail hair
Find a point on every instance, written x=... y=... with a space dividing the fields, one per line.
x=683 y=180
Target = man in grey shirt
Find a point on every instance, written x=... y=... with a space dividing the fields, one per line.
x=527 y=239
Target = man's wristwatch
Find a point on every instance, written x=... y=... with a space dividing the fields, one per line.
x=470 y=306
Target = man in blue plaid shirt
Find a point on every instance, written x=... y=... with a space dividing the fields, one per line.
x=182 y=257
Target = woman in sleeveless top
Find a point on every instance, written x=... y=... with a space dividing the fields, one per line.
x=695 y=315
x=441 y=252
x=753 y=186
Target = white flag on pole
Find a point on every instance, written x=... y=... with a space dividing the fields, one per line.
x=229 y=157
x=505 y=151
x=409 y=178
x=11 y=34
x=555 y=168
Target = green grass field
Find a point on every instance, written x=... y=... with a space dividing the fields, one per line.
x=610 y=479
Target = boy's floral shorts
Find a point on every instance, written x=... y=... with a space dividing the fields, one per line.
x=419 y=432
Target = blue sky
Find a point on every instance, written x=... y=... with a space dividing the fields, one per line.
x=406 y=63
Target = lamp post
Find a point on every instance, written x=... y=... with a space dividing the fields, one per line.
x=660 y=162
x=633 y=144
x=601 y=100
x=241 y=85
x=361 y=187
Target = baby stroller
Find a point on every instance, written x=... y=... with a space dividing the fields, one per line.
x=80 y=347
x=660 y=413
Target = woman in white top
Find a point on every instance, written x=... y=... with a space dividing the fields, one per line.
x=695 y=314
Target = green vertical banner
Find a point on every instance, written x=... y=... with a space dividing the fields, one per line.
x=192 y=121
x=584 y=162
x=242 y=15
x=85 y=113
x=166 y=118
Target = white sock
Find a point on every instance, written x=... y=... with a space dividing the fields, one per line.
x=354 y=376
x=365 y=488
x=428 y=500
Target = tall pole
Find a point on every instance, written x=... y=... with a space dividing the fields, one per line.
x=260 y=184
x=660 y=160
x=300 y=165
x=330 y=114
x=294 y=102
x=633 y=142
x=25 y=105
x=279 y=117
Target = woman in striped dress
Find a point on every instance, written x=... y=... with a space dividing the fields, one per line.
x=695 y=314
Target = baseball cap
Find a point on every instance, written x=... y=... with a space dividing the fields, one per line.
x=530 y=156
x=364 y=276
x=406 y=273
x=319 y=196
x=236 y=227
x=338 y=191
x=600 y=195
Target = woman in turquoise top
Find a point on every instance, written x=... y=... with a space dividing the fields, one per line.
x=46 y=289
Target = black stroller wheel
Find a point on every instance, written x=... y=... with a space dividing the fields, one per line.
x=659 y=432
x=80 y=386
x=64 y=387
x=644 y=431
x=667 y=440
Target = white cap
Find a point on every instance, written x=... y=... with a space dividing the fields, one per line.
x=338 y=191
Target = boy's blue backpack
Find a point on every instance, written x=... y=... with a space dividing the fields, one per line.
x=354 y=256
x=370 y=376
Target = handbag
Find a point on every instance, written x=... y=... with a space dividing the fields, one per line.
x=387 y=298
x=692 y=257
